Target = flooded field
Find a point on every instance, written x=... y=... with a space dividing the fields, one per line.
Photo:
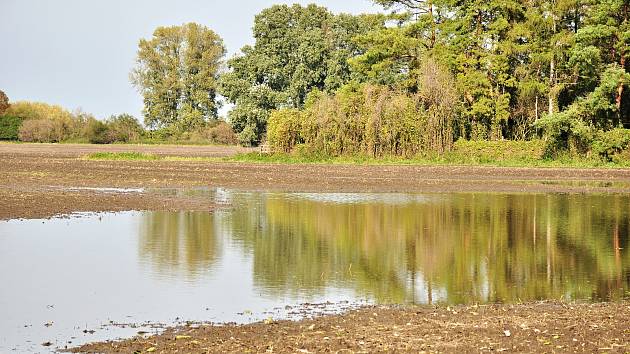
x=75 y=280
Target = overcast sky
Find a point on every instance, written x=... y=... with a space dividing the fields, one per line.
x=78 y=53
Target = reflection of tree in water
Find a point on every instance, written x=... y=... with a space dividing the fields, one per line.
x=183 y=241
x=456 y=248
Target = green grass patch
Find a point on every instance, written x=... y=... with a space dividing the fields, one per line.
x=466 y=153
x=123 y=156
x=139 y=156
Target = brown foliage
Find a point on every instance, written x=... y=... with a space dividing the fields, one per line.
x=42 y=131
x=220 y=133
x=4 y=102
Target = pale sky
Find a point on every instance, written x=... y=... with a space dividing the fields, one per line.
x=78 y=53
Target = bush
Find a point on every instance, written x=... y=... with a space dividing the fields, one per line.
x=4 y=102
x=124 y=128
x=9 y=127
x=248 y=136
x=368 y=120
x=220 y=133
x=42 y=131
x=98 y=132
x=283 y=129
x=611 y=144
x=497 y=151
x=62 y=124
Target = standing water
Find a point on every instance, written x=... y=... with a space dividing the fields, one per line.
x=102 y=276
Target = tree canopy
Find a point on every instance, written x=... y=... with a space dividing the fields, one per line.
x=176 y=73
x=297 y=49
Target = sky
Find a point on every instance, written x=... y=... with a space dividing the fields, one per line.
x=78 y=53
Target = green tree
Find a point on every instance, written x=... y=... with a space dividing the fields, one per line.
x=483 y=47
x=602 y=47
x=98 y=132
x=176 y=73
x=9 y=127
x=393 y=55
x=124 y=128
x=297 y=49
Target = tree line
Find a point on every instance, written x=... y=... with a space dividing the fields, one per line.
x=425 y=74
x=45 y=123
x=413 y=79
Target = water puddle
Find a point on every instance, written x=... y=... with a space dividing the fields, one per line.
x=105 y=276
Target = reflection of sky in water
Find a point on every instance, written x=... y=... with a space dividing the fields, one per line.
x=84 y=272
x=357 y=198
x=274 y=249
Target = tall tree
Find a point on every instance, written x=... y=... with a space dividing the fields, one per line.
x=485 y=35
x=427 y=15
x=395 y=54
x=602 y=49
x=176 y=73
x=297 y=49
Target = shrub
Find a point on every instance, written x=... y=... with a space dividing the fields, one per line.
x=4 y=102
x=369 y=120
x=248 y=136
x=220 y=133
x=283 y=130
x=609 y=145
x=124 y=128
x=497 y=151
x=9 y=127
x=41 y=131
x=63 y=124
x=98 y=132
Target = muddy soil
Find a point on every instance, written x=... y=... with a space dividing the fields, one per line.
x=32 y=177
x=38 y=181
x=531 y=328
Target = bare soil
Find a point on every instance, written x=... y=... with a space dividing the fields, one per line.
x=39 y=181
x=33 y=178
x=531 y=328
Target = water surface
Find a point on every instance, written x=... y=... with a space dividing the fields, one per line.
x=269 y=250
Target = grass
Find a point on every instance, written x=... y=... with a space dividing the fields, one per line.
x=123 y=156
x=445 y=160
x=466 y=153
x=139 y=156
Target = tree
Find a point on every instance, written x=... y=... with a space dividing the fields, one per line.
x=602 y=47
x=428 y=16
x=124 y=128
x=4 y=102
x=176 y=73
x=98 y=132
x=60 y=121
x=297 y=49
x=483 y=46
x=394 y=54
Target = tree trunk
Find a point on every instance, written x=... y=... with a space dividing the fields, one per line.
x=622 y=62
x=552 y=74
x=433 y=25
x=552 y=84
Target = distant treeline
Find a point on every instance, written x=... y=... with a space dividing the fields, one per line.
x=44 y=123
x=411 y=81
